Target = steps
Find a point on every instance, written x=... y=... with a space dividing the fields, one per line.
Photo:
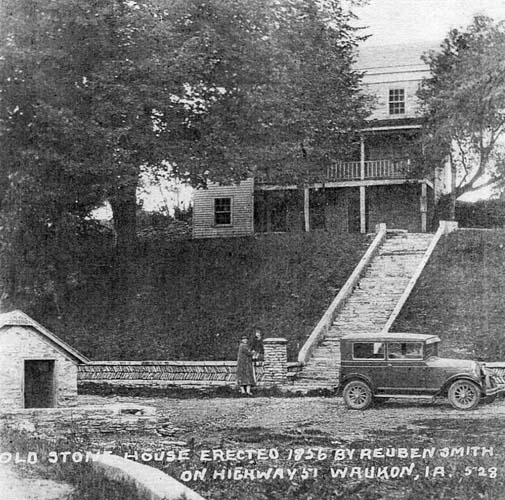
x=369 y=307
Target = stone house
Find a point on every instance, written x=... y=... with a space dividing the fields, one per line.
x=377 y=186
x=37 y=369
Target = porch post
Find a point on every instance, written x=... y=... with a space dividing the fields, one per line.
x=362 y=208
x=306 y=208
x=362 y=189
x=362 y=157
x=424 y=207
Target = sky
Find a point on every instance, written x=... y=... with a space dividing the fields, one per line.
x=392 y=22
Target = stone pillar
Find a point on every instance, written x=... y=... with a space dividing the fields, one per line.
x=448 y=226
x=275 y=361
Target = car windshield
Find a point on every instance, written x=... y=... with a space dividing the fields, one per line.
x=431 y=350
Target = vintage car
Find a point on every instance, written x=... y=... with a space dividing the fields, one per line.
x=402 y=365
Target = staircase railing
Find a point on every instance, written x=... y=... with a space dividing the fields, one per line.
x=444 y=227
x=326 y=321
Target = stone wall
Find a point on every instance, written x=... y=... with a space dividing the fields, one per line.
x=339 y=214
x=161 y=373
x=273 y=371
x=397 y=206
x=93 y=419
x=20 y=343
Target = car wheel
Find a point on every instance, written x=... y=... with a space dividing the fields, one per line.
x=357 y=395
x=464 y=395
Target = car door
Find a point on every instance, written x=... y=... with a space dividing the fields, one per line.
x=405 y=368
x=369 y=360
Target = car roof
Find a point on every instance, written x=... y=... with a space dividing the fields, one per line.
x=389 y=336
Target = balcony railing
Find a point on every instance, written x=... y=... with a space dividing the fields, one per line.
x=374 y=169
x=348 y=171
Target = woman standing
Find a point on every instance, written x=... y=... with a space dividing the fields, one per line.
x=257 y=346
x=245 y=371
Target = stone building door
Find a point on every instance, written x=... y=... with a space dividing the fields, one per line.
x=39 y=383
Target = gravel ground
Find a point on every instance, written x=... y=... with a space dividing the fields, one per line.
x=226 y=422
x=214 y=418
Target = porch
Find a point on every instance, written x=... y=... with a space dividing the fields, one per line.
x=344 y=206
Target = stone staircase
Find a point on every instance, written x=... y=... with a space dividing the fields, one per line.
x=369 y=306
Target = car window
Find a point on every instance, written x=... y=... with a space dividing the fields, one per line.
x=431 y=350
x=405 y=350
x=368 y=350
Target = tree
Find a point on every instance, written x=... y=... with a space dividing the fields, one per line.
x=95 y=91
x=47 y=162
x=315 y=101
x=463 y=103
x=277 y=93
x=81 y=83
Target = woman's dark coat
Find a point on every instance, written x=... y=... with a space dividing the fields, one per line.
x=245 y=371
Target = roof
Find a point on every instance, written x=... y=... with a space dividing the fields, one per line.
x=393 y=56
x=388 y=124
x=19 y=318
x=390 y=336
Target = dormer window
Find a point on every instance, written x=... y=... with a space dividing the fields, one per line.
x=396 y=101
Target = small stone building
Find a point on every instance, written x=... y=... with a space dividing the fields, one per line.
x=37 y=369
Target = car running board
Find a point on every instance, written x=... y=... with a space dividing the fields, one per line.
x=403 y=396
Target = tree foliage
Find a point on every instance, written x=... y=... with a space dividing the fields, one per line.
x=464 y=105
x=93 y=92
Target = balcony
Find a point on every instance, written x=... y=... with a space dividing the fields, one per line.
x=392 y=169
x=373 y=169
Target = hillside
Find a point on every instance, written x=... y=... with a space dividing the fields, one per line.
x=194 y=299
x=461 y=296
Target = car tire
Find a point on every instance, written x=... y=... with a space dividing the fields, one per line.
x=357 y=395
x=464 y=395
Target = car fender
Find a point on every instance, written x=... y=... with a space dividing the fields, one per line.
x=460 y=376
x=354 y=376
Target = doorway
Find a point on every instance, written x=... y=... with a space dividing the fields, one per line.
x=39 y=383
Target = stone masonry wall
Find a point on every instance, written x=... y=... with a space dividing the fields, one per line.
x=20 y=343
x=397 y=206
x=275 y=364
x=93 y=419
x=161 y=373
x=272 y=371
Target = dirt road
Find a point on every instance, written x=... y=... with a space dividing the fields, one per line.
x=312 y=416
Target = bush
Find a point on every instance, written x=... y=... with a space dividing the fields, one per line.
x=194 y=299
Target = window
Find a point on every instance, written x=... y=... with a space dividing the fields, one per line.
x=368 y=350
x=222 y=211
x=396 y=101
x=431 y=350
x=405 y=350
